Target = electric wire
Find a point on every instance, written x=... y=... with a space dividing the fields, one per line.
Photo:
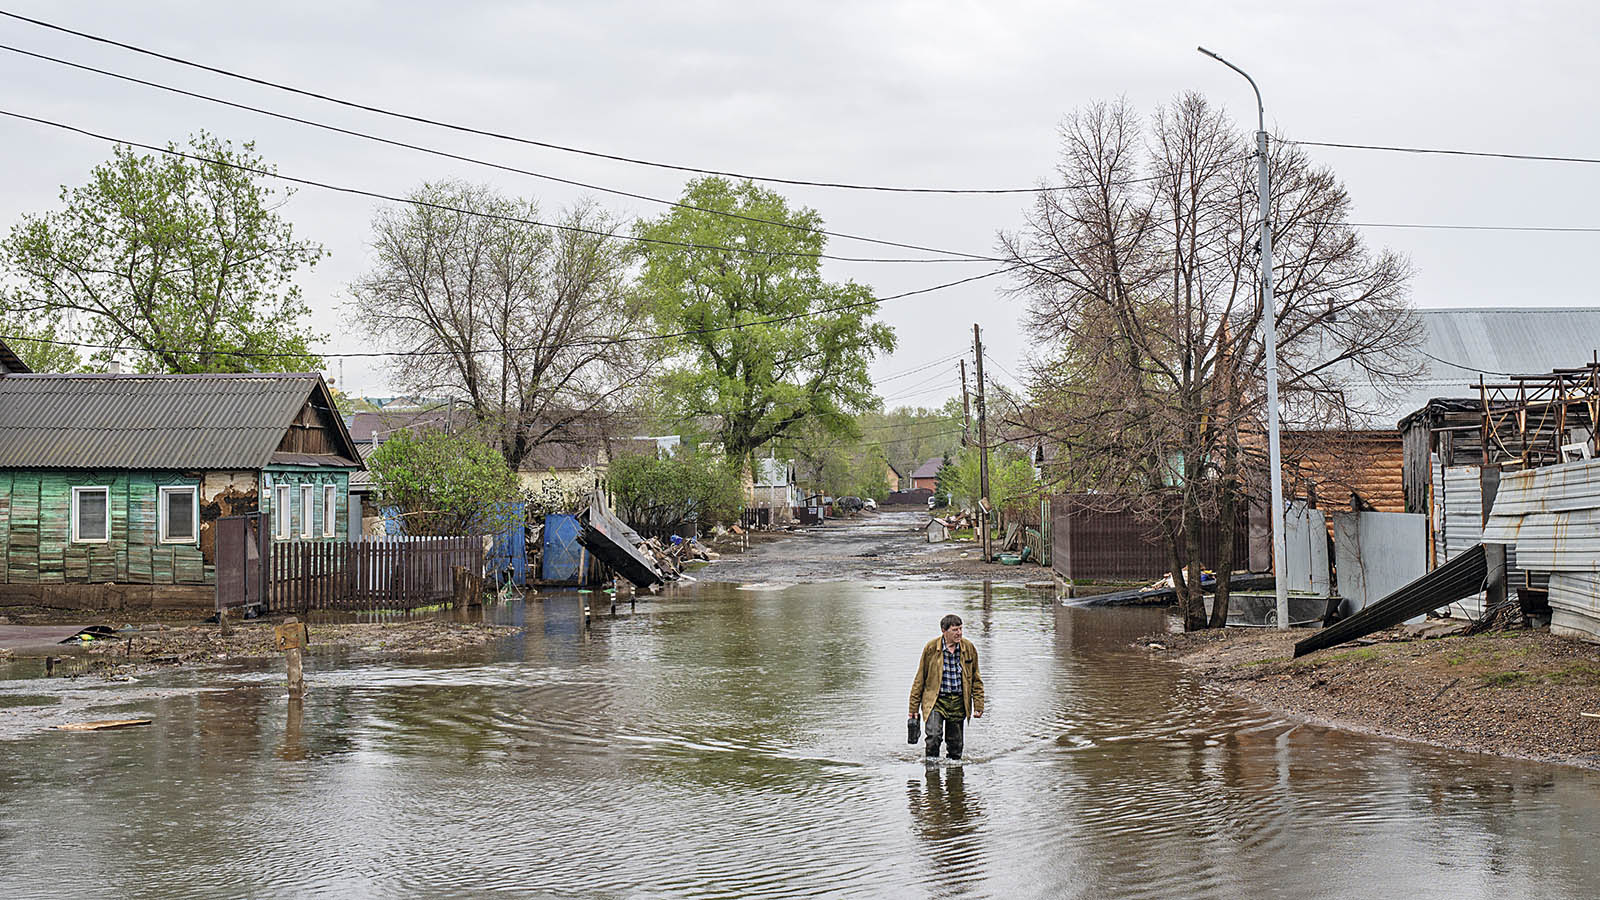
x=378 y=110
x=922 y=368
x=443 y=207
x=964 y=257
x=603 y=342
x=1445 y=152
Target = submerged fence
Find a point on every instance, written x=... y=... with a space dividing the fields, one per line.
x=373 y=573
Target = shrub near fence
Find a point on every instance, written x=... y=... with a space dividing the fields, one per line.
x=381 y=573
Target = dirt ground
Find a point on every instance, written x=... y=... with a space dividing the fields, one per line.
x=149 y=646
x=1511 y=693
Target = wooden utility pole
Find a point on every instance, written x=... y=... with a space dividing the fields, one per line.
x=292 y=637
x=966 y=407
x=983 y=447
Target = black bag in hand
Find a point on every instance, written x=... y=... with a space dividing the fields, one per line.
x=913 y=729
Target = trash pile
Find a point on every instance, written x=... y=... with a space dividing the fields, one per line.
x=671 y=557
x=958 y=520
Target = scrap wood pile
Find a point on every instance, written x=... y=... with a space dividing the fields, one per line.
x=670 y=557
x=962 y=519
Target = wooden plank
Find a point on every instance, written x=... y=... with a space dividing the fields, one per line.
x=55 y=526
x=23 y=562
x=102 y=724
x=5 y=522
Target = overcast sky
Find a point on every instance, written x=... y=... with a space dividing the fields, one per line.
x=922 y=94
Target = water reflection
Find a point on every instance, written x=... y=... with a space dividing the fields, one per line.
x=947 y=822
x=292 y=748
x=719 y=743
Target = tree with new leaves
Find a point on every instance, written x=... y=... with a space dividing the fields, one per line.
x=1144 y=300
x=764 y=343
x=170 y=263
x=663 y=492
x=536 y=327
x=443 y=484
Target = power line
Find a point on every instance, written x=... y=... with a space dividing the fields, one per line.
x=922 y=368
x=1445 y=152
x=322 y=185
x=918 y=393
x=605 y=342
x=966 y=257
x=517 y=139
x=1558 y=229
x=1014 y=379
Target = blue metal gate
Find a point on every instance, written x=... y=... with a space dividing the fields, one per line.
x=565 y=560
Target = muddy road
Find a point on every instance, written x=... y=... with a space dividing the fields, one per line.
x=886 y=544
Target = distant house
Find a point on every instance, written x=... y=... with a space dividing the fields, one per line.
x=773 y=488
x=927 y=475
x=110 y=485
x=892 y=476
x=10 y=362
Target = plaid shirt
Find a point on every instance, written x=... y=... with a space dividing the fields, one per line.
x=950 y=682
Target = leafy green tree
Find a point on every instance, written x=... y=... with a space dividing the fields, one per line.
x=1013 y=488
x=716 y=280
x=181 y=261
x=443 y=484
x=657 y=493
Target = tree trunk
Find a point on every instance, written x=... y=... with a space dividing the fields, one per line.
x=1194 y=604
x=1228 y=509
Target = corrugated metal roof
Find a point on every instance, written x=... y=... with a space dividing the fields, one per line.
x=1458 y=345
x=147 y=421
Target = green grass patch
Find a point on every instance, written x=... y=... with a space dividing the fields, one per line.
x=1513 y=678
x=1581 y=673
x=1264 y=662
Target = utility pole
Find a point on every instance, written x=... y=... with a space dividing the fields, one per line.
x=1269 y=306
x=983 y=445
x=966 y=408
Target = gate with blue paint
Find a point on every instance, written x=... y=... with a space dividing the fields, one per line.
x=507 y=560
x=565 y=560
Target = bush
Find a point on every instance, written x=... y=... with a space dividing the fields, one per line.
x=443 y=484
x=656 y=493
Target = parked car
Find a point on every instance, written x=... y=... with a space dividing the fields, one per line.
x=849 y=504
x=869 y=503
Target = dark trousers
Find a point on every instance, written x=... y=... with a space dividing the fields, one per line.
x=947 y=725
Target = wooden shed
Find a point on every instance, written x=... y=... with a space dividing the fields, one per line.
x=110 y=484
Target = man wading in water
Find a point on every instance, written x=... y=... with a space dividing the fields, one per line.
x=947 y=688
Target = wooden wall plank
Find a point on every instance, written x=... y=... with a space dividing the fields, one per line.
x=5 y=523
x=55 y=526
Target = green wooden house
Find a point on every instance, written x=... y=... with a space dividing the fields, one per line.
x=110 y=484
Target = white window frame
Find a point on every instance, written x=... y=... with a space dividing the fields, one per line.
x=308 y=510
x=330 y=509
x=281 y=513
x=77 y=537
x=194 y=513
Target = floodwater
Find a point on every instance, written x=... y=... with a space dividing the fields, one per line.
x=720 y=742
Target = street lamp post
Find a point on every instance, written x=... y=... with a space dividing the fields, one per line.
x=1270 y=307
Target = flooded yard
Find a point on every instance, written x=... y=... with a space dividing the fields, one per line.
x=727 y=742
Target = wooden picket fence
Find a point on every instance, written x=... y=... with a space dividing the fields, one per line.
x=372 y=573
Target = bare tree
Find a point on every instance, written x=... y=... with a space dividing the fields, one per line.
x=535 y=328
x=1144 y=300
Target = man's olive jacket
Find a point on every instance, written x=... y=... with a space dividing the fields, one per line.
x=930 y=671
